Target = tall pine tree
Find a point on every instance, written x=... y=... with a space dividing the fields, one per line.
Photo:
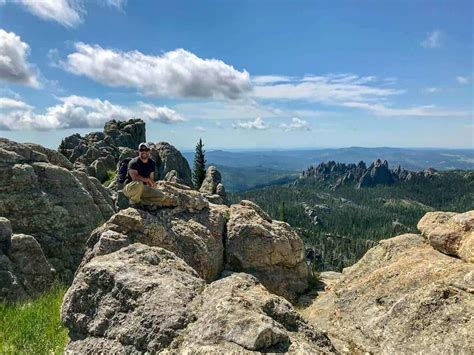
x=199 y=172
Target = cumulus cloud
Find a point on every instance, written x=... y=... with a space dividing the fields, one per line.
x=14 y=67
x=7 y=103
x=462 y=79
x=416 y=111
x=328 y=89
x=79 y=112
x=432 y=40
x=295 y=125
x=258 y=123
x=69 y=13
x=177 y=73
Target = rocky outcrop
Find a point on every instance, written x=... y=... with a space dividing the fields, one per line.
x=195 y=236
x=271 y=250
x=378 y=173
x=238 y=315
x=97 y=153
x=135 y=300
x=402 y=297
x=143 y=299
x=167 y=159
x=160 y=279
x=59 y=207
x=127 y=134
x=24 y=270
x=450 y=233
x=361 y=176
x=212 y=186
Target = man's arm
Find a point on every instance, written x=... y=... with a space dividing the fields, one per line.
x=136 y=177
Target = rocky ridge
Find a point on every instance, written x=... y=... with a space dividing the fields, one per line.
x=359 y=175
x=44 y=197
x=98 y=153
x=404 y=295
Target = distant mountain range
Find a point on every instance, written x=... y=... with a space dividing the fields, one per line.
x=247 y=170
x=298 y=160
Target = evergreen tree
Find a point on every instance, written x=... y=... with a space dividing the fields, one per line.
x=283 y=216
x=199 y=172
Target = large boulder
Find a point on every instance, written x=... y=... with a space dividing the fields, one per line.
x=450 y=233
x=194 y=234
x=237 y=315
x=167 y=159
x=135 y=300
x=57 y=206
x=402 y=297
x=269 y=249
x=24 y=270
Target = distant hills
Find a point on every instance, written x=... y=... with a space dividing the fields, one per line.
x=246 y=170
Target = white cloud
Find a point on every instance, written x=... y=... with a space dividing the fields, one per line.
x=81 y=112
x=270 y=79
x=118 y=4
x=296 y=124
x=14 y=67
x=462 y=79
x=7 y=103
x=328 y=89
x=178 y=73
x=416 y=111
x=199 y=129
x=432 y=90
x=432 y=40
x=68 y=13
x=258 y=123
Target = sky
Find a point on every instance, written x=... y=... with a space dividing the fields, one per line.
x=241 y=74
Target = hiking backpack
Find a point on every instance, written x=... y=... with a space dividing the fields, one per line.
x=122 y=170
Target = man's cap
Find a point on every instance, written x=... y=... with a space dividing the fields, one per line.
x=143 y=146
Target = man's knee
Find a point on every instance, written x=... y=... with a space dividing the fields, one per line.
x=134 y=191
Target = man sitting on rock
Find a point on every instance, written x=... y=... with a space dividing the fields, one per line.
x=140 y=183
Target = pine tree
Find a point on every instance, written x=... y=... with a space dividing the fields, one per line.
x=283 y=212
x=199 y=172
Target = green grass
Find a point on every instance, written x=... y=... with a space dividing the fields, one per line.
x=33 y=327
x=111 y=174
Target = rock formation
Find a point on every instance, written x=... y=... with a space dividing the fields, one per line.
x=24 y=270
x=97 y=153
x=162 y=279
x=270 y=250
x=361 y=176
x=450 y=233
x=41 y=196
x=212 y=186
x=404 y=296
x=170 y=160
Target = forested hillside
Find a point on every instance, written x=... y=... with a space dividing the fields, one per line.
x=342 y=224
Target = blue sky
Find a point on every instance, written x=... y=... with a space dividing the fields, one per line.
x=241 y=74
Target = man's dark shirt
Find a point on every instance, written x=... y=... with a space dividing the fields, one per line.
x=144 y=169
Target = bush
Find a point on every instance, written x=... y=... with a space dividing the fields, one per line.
x=33 y=327
x=111 y=174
